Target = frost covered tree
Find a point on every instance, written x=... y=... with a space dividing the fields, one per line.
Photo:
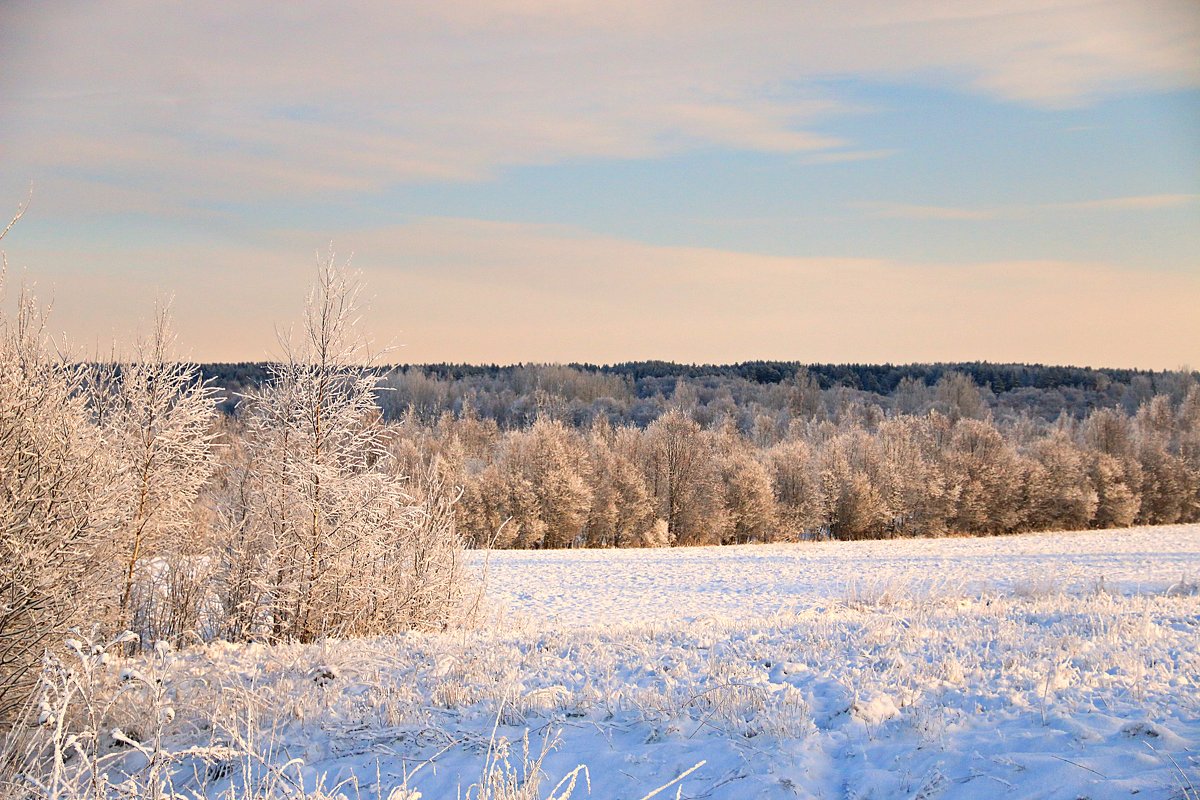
x=1117 y=502
x=678 y=461
x=622 y=509
x=958 y=397
x=553 y=460
x=1110 y=432
x=1058 y=491
x=985 y=471
x=240 y=546
x=797 y=487
x=751 y=511
x=500 y=509
x=1114 y=469
x=340 y=547
x=912 y=396
x=1166 y=489
x=57 y=502
x=158 y=419
x=854 y=506
x=804 y=396
x=918 y=495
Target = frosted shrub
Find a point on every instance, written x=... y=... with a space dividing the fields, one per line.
x=157 y=418
x=57 y=504
x=323 y=536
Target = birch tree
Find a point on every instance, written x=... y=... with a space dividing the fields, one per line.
x=678 y=463
x=345 y=544
x=158 y=419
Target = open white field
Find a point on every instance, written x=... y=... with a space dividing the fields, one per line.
x=606 y=587
x=1045 y=666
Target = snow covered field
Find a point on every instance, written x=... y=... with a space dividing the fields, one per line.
x=1040 y=666
x=606 y=587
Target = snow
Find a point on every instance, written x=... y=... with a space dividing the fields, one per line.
x=607 y=587
x=1038 y=666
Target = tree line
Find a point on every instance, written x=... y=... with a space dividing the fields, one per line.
x=637 y=393
x=934 y=463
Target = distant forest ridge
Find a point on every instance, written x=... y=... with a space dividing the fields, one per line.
x=877 y=378
x=639 y=392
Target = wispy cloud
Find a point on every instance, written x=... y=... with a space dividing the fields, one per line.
x=766 y=128
x=842 y=156
x=909 y=211
x=888 y=210
x=1134 y=203
x=421 y=92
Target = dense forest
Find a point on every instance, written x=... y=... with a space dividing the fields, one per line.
x=637 y=393
x=654 y=453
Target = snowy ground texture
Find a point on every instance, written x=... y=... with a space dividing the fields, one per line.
x=1039 y=666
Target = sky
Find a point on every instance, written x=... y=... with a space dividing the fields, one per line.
x=529 y=181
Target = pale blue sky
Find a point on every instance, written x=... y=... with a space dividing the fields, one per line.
x=860 y=181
